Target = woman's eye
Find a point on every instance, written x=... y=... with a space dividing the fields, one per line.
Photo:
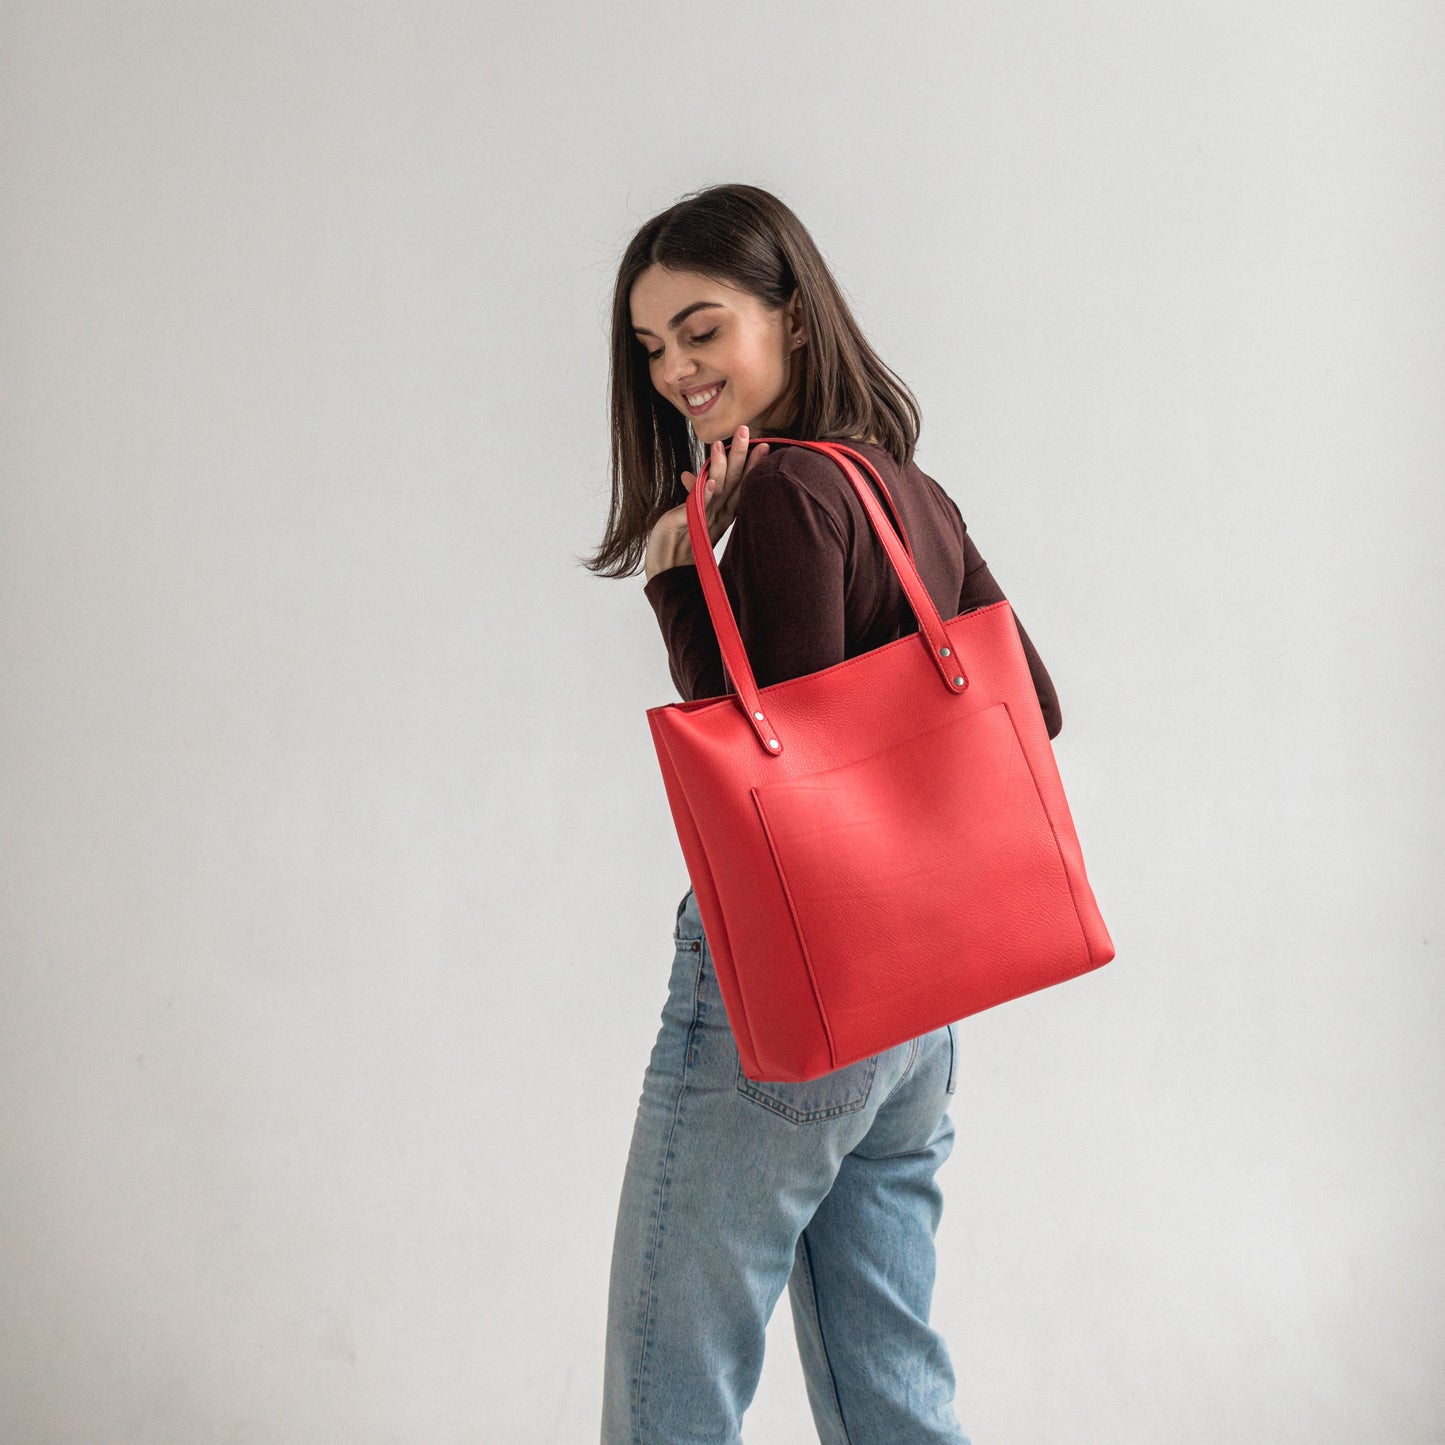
x=706 y=336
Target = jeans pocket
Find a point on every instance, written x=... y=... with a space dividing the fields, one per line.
x=844 y=1091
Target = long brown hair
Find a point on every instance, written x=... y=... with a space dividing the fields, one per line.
x=748 y=238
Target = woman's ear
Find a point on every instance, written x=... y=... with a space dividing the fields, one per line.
x=797 y=335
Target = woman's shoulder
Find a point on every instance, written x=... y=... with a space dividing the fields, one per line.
x=818 y=473
x=795 y=474
x=804 y=474
x=916 y=491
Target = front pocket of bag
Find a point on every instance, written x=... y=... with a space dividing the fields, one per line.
x=928 y=869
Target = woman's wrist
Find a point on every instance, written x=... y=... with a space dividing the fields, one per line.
x=665 y=549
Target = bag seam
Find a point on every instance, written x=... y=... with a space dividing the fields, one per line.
x=1054 y=834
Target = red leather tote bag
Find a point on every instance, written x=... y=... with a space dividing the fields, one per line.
x=881 y=847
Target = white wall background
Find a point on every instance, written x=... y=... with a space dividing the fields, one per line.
x=337 y=874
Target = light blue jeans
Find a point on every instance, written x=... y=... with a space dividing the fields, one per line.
x=735 y=1188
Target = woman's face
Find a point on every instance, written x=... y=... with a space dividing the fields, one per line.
x=701 y=334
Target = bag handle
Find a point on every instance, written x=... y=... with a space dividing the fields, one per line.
x=900 y=555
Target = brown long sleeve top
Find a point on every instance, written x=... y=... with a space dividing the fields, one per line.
x=810 y=583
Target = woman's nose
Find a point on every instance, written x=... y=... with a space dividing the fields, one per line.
x=677 y=373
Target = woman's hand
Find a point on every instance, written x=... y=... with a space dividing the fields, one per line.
x=668 y=544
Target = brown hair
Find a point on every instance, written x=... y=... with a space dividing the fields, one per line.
x=748 y=238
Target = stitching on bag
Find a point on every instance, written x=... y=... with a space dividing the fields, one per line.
x=1054 y=834
x=797 y=926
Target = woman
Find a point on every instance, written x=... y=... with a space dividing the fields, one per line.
x=727 y=325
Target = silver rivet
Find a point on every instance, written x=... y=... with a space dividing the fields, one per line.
x=943 y=652
x=759 y=716
x=958 y=682
x=772 y=742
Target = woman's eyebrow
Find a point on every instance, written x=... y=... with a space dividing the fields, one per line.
x=680 y=317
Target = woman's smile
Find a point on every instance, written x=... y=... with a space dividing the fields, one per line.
x=707 y=395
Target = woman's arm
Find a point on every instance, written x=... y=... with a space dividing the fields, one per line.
x=693 y=657
x=783 y=574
